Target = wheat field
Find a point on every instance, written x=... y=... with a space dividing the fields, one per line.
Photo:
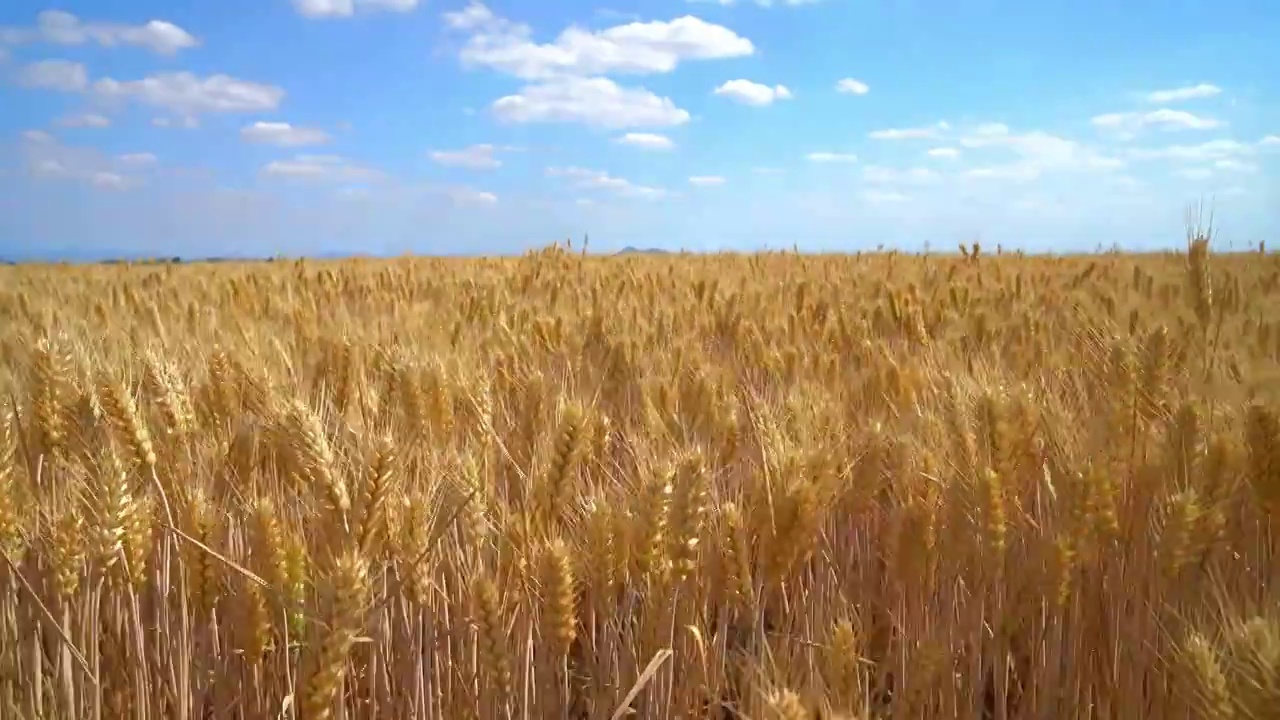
x=558 y=486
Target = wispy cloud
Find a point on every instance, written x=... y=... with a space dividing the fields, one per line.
x=1180 y=94
x=831 y=157
x=850 y=86
x=62 y=28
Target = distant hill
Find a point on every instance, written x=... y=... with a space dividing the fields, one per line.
x=628 y=250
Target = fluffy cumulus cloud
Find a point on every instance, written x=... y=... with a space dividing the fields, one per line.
x=596 y=101
x=752 y=93
x=474 y=16
x=635 y=48
x=283 y=134
x=317 y=9
x=62 y=28
x=571 y=78
x=850 y=86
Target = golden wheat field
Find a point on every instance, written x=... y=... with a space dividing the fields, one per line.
x=560 y=486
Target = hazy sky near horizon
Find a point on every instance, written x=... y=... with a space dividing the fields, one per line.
x=256 y=127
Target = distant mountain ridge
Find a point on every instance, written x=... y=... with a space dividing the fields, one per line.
x=629 y=250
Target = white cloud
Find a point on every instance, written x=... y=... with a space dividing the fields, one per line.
x=62 y=75
x=991 y=130
x=476 y=157
x=187 y=94
x=317 y=9
x=946 y=153
x=636 y=47
x=389 y=5
x=831 y=157
x=752 y=93
x=911 y=176
x=188 y=122
x=473 y=16
x=324 y=168
x=282 y=134
x=1235 y=166
x=594 y=101
x=567 y=76
x=85 y=120
x=1130 y=123
x=1036 y=144
x=63 y=28
x=851 y=86
x=143 y=158
x=1192 y=92
x=1038 y=152
x=346 y=8
x=47 y=168
x=47 y=159
x=1211 y=150
x=706 y=180
x=109 y=180
x=647 y=141
x=1020 y=172
x=1270 y=141
x=917 y=133
x=469 y=196
x=585 y=179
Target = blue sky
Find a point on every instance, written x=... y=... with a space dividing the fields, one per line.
x=255 y=127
